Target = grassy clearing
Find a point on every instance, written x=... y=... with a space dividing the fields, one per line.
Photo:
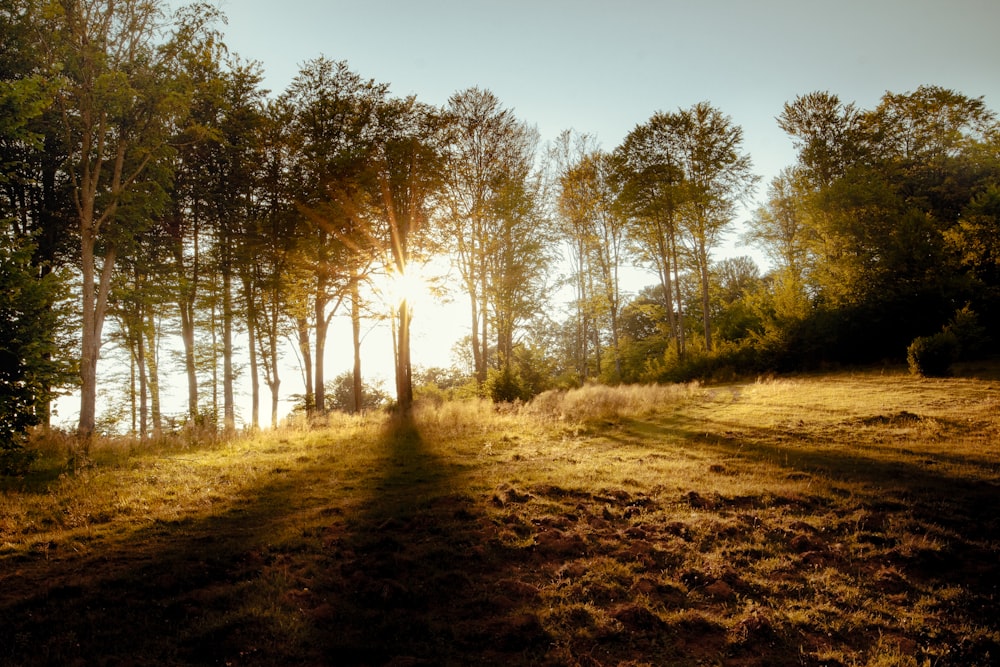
x=848 y=519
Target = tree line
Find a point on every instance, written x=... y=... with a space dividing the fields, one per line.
x=149 y=184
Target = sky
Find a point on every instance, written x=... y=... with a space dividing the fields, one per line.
x=603 y=67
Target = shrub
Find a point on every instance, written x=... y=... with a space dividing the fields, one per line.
x=971 y=336
x=932 y=356
x=15 y=458
x=506 y=386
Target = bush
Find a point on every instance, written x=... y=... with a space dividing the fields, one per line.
x=506 y=386
x=15 y=458
x=932 y=356
x=973 y=341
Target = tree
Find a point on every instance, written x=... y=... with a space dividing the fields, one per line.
x=486 y=153
x=118 y=106
x=718 y=177
x=873 y=209
x=34 y=193
x=408 y=173
x=653 y=192
x=341 y=395
x=191 y=221
x=331 y=121
x=592 y=222
x=269 y=275
x=523 y=237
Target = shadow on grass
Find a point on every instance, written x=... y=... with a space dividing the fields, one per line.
x=392 y=568
x=952 y=496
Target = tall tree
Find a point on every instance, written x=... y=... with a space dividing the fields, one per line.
x=191 y=221
x=485 y=152
x=653 y=192
x=408 y=175
x=118 y=106
x=718 y=177
x=595 y=228
x=331 y=122
x=29 y=361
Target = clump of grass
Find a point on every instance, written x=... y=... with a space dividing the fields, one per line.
x=597 y=403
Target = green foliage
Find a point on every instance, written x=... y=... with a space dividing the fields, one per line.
x=29 y=356
x=340 y=394
x=438 y=385
x=506 y=385
x=726 y=362
x=962 y=339
x=932 y=356
x=973 y=339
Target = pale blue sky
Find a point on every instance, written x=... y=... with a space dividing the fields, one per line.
x=604 y=67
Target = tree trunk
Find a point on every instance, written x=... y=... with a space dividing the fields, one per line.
x=681 y=342
x=152 y=365
x=703 y=260
x=404 y=370
x=478 y=362
x=322 y=326
x=228 y=400
x=356 y=340
x=251 y=312
x=95 y=306
x=186 y=307
x=140 y=353
x=302 y=326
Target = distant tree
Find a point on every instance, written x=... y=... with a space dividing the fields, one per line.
x=734 y=282
x=340 y=395
x=876 y=210
x=653 y=192
x=779 y=227
x=645 y=332
x=592 y=222
x=718 y=177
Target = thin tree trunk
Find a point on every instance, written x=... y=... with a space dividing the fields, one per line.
x=302 y=326
x=322 y=326
x=681 y=342
x=703 y=260
x=143 y=383
x=251 y=306
x=95 y=306
x=356 y=340
x=404 y=370
x=228 y=399
x=153 y=372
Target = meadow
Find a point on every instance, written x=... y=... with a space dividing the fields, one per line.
x=839 y=519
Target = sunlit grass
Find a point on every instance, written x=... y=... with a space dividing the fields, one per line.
x=838 y=519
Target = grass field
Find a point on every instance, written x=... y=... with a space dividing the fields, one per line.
x=844 y=519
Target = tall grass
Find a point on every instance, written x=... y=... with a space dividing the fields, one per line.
x=596 y=403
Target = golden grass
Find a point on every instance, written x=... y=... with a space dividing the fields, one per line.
x=844 y=519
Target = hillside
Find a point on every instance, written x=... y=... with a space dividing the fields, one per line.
x=845 y=519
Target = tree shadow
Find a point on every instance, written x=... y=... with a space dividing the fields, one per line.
x=393 y=568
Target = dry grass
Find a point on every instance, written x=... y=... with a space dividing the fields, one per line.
x=844 y=519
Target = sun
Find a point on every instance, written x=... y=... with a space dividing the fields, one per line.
x=411 y=286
